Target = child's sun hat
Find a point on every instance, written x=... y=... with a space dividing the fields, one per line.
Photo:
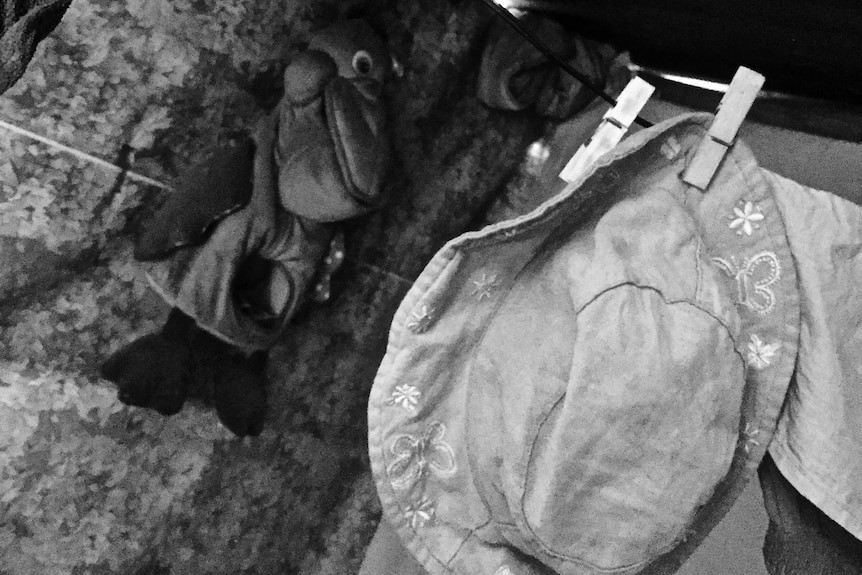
x=587 y=388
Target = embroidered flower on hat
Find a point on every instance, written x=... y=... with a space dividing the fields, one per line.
x=671 y=147
x=419 y=321
x=484 y=286
x=405 y=395
x=416 y=456
x=419 y=513
x=753 y=279
x=747 y=215
x=749 y=434
x=760 y=353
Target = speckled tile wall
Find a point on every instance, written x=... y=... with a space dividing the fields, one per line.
x=89 y=486
x=81 y=488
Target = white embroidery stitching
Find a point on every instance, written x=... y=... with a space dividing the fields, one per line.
x=671 y=148
x=749 y=434
x=484 y=286
x=416 y=456
x=418 y=514
x=421 y=320
x=503 y=570
x=405 y=395
x=760 y=353
x=755 y=294
x=747 y=215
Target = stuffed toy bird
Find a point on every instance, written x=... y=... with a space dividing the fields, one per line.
x=250 y=235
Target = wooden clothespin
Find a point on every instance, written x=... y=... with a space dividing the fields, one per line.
x=615 y=124
x=732 y=109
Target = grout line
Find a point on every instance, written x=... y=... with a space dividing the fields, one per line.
x=382 y=271
x=83 y=155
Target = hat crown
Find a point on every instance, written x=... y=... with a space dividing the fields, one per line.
x=612 y=361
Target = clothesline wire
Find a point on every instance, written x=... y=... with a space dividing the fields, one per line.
x=512 y=21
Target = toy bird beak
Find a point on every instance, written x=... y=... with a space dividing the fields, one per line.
x=307 y=75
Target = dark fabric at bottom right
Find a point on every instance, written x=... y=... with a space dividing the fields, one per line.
x=801 y=539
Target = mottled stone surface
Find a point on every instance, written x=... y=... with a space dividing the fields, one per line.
x=23 y=23
x=88 y=485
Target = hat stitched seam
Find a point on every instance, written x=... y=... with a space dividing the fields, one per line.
x=525 y=464
x=664 y=299
x=545 y=211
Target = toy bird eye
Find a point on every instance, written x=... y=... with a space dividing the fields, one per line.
x=363 y=63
